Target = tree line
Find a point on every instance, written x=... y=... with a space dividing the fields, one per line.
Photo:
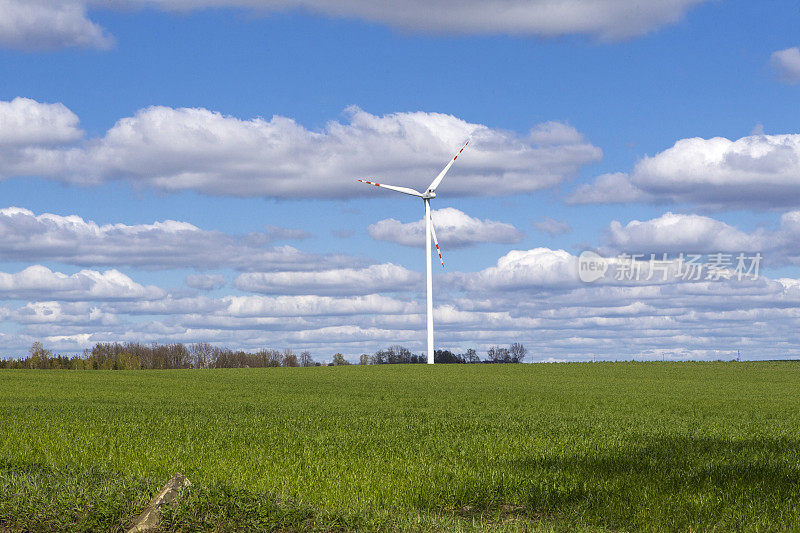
x=139 y=356
x=515 y=353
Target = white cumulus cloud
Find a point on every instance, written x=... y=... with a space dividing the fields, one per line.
x=676 y=233
x=607 y=19
x=786 y=64
x=539 y=268
x=349 y=281
x=64 y=313
x=454 y=229
x=311 y=305
x=28 y=237
x=681 y=233
x=40 y=283
x=201 y=150
x=26 y=122
x=758 y=171
x=49 y=24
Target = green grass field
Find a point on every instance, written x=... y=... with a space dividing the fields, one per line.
x=595 y=447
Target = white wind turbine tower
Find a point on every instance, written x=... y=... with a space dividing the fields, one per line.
x=427 y=196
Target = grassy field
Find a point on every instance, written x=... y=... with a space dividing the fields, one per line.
x=595 y=447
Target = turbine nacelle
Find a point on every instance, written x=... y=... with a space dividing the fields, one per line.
x=429 y=194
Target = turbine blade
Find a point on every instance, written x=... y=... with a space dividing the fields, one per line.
x=436 y=242
x=404 y=190
x=435 y=183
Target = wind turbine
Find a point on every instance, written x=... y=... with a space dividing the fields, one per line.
x=427 y=196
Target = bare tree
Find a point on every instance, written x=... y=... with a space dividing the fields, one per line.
x=202 y=354
x=364 y=359
x=518 y=352
x=498 y=354
x=305 y=359
x=289 y=358
x=274 y=358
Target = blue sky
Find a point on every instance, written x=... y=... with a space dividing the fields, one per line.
x=616 y=92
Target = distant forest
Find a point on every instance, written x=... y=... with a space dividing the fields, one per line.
x=138 y=356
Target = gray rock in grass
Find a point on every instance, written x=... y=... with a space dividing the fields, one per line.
x=148 y=519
